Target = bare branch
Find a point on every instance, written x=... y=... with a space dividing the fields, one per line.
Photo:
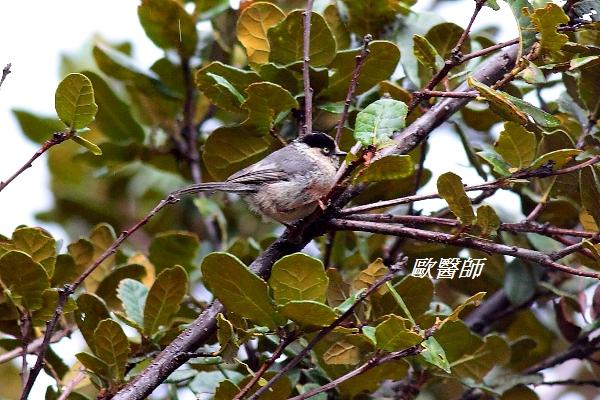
x=308 y=92
x=360 y=59
x=68 y=389
x=33 y=346
x=5 y=71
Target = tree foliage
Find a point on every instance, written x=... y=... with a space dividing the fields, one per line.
x=202 y=295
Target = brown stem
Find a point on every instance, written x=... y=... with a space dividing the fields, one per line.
x=306 y=69
x=360 y=59
x=5 y=71
x=490 y=49
x=323 y=332
x=283 y=344
x=68 y=389
x=439 y=93
x=581 y=349
x=573 y=382
x=25 y=327
x=453 y=240
x=33 y=346
x=57 y=138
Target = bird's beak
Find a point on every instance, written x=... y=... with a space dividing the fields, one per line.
x=340 y=153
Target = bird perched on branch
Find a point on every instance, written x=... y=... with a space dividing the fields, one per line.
x=287 y=184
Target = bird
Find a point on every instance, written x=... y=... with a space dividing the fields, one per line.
x=286 y=185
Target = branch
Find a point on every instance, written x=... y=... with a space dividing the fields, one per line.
x=328 y=329
x=293 y=240
x=69 y=289
x=33 y=346
x=68 y=389
x=360 y=60
x=57 y=138
x=283 y=344
x=580 y=349
x=306 y=69
x=468 y=242
x=5 y=71
x=573 y=382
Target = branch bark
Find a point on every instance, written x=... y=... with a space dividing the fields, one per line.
x=293 y=240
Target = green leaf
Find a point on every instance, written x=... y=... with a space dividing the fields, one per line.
x=370 y=275
x=337 y=26
x=45 y=313
x=112 y=347
x=498 y=164
x=427 y=54
x=342 y=353
x=90 y=311
x=546 y=21
x=164 y=299
x=434 y=354
x=35 y=127
x=393 y=335
x=378 y=66
x=494 y=351
x=539 y=116
x=65 y=270
x=107 y=289
x=74 y=101
x=557 y=158
x=121 y=67
x=219 y=94
x=590 y=192
x=114 y=116
x=487 y=220
x=101 y=237
x=516 y=145
x=169 y=26
x=451 y=189
x=25 y=279
x=376 y=124
x=387 y=168
x=308 y=313
x=520 y=283
x=94 y=364
x=298 y=277
x=443 y=37
x=252 y=27
x=371 y=380
x=370 y=16
x=173 y=248
x=133 y=296
x=337 y=290
x=227 y=339
x=286 y=40
x=266 y=100
x=93 y=148
x=499 y=103
x=526 y=29
x=240 y=291
x=229 y=149
x=473 y=300
x=39 y=244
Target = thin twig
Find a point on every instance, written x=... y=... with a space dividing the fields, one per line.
x=573 y=382
x=439 y=93
x=69 y=289
x=69 y=387
x=283 y=344
x=25 y=326
x=33 y=346
x=454 y=240
x=360 y=59
x=5 y=71
x=57 y=138
x=306 y=69
x=325 y=331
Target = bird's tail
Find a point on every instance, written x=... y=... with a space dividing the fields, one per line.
x=213 y=187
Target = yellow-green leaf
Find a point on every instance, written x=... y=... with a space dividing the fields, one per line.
x=337 y=26
x=265 y=100
x=38 y=243
x=74 y=101
x=342 y=353
x=25 y=279
x=494 y=351
x=101 y=237
x=173 y=248
x=499 y=103
x=298 y=277
x=473 y=300
x=227 y=339
x=393 y=335
x=309 y=313
x=371 y=16
x=557 y=158
x=240 y=290
x=164 y=299
x=487 y=220
x=451 y=189
x=427 y=54
x=112 y=347
x=252 y=27
x=93 y=148
x=371 y=380
x=368 y=276
x=94 y=364
x=387 y=168
x=376 y=124
x=516 y=145
x=286 y=40
x=169 y=26
x=546 y=21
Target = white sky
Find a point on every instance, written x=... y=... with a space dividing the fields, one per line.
x=33 y=35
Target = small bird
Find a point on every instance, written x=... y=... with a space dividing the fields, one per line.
x=287 y=184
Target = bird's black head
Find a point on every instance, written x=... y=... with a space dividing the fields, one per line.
x=322 y=141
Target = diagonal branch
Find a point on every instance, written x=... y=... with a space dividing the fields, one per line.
x=5 y=71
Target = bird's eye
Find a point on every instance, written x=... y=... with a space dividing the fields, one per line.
x=326 y=150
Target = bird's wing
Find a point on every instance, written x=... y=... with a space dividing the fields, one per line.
x=250 y=176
